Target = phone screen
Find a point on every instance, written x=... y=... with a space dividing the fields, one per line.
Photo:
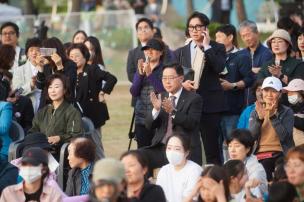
x=47 y=51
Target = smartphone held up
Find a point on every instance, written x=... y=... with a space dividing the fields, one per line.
x=47 y=51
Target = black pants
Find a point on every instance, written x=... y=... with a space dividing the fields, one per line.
x=210 y=133
x=143 y=135
x=269 y=164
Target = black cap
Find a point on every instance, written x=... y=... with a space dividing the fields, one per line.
x=154 y=44
x=35 y=140
x=35 y=156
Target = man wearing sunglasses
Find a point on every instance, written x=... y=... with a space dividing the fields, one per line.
x=205 y=59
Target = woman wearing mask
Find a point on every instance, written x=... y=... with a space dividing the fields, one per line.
x=240 y=147
x=294 y=168
x=59 y=121
x=282 y=65
x=213 y=186
x=295 y=93
x=81 y=159
x=34 y=171
x=179 y=177
x=138 y=187
x=90 y=93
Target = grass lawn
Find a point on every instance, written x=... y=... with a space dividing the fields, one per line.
x=115 y=132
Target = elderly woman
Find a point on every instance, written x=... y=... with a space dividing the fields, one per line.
x=282 y=65
x=90 y=93
x=271 y=124
x=295 y=93
x=138 y=187
x=295 y=169
x=59 y=121
x=81 y=159
x=34 y=170
x=240 y=147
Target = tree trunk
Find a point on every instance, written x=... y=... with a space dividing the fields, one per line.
x=189 y=7
x=241 y=12
x=29 y=8
x=76 y=5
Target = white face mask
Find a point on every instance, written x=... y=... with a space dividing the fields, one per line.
x=293 y=99
x=174 y=157
x=30 y=173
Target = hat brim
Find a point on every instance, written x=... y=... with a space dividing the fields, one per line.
x=268 y=41
x=44 y=146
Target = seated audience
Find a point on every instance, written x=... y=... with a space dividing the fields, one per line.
x=240 y=147
x=245 y=115
x=282 y=65
x=178 y=178
x=34 y=171
x=282 y=192
x=8 y=173
x=138 y=187
x=213 y=186
x=271 y=125
x=25 y=76
x=59 y=121
x=294 y=167
x=81 y=159
x=79 y=37
x=295 y=93
x=6 y=116
x=300 y=41
x=109 y=181
x=239 y=184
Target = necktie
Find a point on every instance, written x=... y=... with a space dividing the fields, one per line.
x=198 y=65
x=169 y=126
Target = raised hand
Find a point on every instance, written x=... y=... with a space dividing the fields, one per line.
x=156 y=101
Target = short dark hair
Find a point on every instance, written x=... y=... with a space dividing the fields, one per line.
x=281 y=192
x=234 y=168
x=7 y=57
x=79 y=32
x=202 y=17
x=218 y=174
x=146 y=20
x=138 y=154
x=285 y=23
x=64 y=81
x=10 y=24
x=256 y=84
x=186 y=142
x=82 y=48
x=244 y=136
x=229 y=29
x=84 y=148
x=178 y=68
x=32 y=42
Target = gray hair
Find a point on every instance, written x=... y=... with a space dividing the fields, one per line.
x=247 y=23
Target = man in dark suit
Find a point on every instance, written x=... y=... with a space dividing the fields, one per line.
x=176 y=110
x=208 y=84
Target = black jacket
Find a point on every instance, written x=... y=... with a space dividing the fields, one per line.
x=8 y=175
x=23 y=112
x=210 y=88
x=150 y=193
x=87 y=93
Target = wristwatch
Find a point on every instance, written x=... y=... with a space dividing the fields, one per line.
x=173 y=113
x=234 y=86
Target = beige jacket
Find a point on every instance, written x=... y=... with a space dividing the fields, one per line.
x=15 y=193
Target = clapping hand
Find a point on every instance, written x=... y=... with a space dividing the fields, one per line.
x=156 y=101
x=275 y=70
x=167 y=105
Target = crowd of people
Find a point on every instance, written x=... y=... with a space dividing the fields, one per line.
x=244 y=107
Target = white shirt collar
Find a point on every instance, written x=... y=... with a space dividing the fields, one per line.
x=177 y=94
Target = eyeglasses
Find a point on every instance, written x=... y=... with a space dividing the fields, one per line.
x=196 y=27
x=8 y=33
x=169 y=78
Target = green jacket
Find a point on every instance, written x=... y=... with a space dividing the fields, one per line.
x=291 y=67
x=64 y=121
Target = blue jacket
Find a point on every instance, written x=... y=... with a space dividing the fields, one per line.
x=6 y=116
x=261 y=55
x=239 y=68
x=244 y=118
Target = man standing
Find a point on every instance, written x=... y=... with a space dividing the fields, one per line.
x=9 y=35
x=176 y=110
x=234 y=79
x=207 y=59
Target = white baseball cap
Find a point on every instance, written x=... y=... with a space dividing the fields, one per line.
x=295 y=85
x=272 y=82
